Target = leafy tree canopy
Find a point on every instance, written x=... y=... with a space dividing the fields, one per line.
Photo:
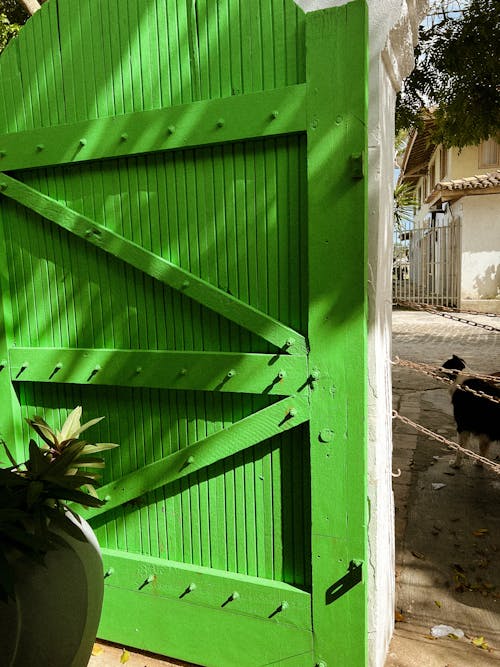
x=457 y=71
x=12 y=17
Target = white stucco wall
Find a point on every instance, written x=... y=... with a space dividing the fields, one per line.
x=393 y=29
x=480 y=220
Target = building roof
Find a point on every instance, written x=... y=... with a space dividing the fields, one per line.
x=418 y=151
x=471 y=185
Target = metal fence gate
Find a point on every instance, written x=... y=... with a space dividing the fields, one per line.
x=426 y=264
x=183 y=234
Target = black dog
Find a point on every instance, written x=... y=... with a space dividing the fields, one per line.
x=473 y=414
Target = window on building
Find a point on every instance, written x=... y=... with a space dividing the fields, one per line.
x=443 y=172
x=489 y=153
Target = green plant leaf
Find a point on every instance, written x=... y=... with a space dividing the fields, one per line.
x=76 y=496
x=7 y=451
x=98 y=447
x=87 y=425
x=35 y=490
x=64 y=461
x=38 y=460
x=60 y=519
x=43 y=429
x=71 y=426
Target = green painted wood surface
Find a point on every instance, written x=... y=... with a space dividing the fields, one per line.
x=249 y=431
x=242 y=117
x=337 y=113
x=265 y=608
x=264 y=216
x=153 y=265
x=240 y=639
x=211 y=371
x=155 y=577
x=10 y=431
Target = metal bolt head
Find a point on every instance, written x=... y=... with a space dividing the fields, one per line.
x=289 y=342
x=231 y=373
x=40 y=147
x=284 y=605
x=315 y=374
x=326 y=435
x=190 y=459
x=124 y=136
x=171 y=129
x=83 y=142
x=221 y=122
x=275 y=114
x=292 y=412
x=191 y=587
x=282 y=374
x=3 y=154
x=3 y=186
x=234 y=595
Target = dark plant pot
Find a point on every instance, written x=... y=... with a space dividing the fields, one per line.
x=53 y=620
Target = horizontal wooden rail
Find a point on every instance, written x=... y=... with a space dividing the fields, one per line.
x=209 y=371
x=257 y=427
x=143 y=594
x=153 y=265
x=237 y=118
x=196 y=585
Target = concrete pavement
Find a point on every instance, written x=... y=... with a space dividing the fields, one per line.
x=447 y=521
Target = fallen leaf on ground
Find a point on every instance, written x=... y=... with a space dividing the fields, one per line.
x=437 y=603
x=399 y=618
x=480 y=532
x=96 y=649
x=417 y=554
x=125 y=656
x=480 y=643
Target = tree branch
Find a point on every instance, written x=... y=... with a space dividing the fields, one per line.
x=31 y=6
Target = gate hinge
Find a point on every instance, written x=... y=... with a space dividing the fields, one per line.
x=344 y=584
x=357 y=163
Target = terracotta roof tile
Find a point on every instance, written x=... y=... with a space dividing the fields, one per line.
x=489 y=180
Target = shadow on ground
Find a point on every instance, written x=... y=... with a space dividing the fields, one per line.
x=447 y=521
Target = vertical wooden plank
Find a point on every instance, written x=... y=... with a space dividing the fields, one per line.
x=337 y=80
x=10 y=416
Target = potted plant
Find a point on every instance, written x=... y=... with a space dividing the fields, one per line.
x=51 y=575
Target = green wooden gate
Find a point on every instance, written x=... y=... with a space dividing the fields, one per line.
x=183 y=232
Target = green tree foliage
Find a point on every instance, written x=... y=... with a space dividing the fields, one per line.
x=456 y=71
x=12 y=17
x=404 y=205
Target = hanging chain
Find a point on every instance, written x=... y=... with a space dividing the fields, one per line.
x=449 y=313
x=467 y=452
x=433 y=372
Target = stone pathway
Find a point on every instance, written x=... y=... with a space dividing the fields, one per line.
x=447 y=536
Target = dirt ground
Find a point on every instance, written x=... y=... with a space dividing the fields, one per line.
x=447 y=521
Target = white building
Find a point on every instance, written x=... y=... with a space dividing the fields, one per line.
x=454 y=246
